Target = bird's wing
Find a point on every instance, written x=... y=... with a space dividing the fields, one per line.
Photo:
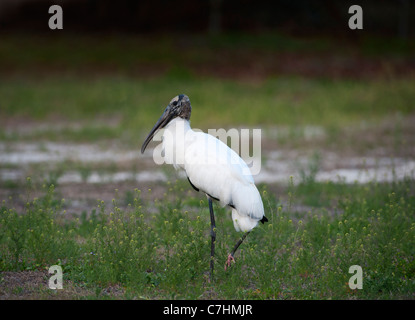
x=216 y=169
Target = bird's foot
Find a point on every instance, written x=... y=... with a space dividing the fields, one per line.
x=229 y=261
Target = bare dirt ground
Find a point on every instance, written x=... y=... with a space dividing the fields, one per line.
x=33 y=285
x=85 y=172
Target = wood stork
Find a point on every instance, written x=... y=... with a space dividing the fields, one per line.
x=211 y=167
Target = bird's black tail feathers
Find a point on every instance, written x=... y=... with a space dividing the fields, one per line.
x=264 y=219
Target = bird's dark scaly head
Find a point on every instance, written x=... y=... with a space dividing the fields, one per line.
x=179 y=106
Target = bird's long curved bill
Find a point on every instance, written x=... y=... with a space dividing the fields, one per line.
x=161 y=122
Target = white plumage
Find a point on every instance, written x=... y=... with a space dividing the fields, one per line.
x=215 y=169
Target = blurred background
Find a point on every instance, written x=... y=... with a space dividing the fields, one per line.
x=76 y=104
x=384 y=17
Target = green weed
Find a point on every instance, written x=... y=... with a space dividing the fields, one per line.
x=138 y=102
x=165 y=254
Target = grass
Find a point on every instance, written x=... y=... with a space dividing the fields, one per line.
x=160 y=249
x=133 y=78
x=138 y=103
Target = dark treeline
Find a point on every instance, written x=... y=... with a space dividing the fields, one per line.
x=383 y=17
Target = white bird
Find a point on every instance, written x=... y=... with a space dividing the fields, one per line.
x=211 y=167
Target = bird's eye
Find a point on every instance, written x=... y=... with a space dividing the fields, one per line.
x=175 y=103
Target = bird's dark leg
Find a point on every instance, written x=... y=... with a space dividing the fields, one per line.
x=213 y=237
x=231 y=255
